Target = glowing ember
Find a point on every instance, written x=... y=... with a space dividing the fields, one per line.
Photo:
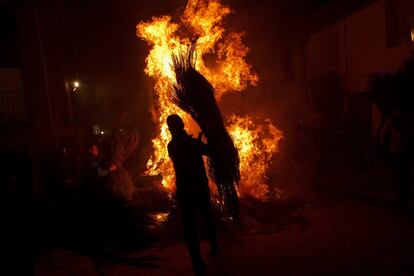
x=202 y=24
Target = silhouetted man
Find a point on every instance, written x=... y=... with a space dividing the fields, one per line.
x=193 y=193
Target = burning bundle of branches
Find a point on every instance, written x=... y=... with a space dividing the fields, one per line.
x=195 y=95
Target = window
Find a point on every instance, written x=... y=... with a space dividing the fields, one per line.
x=329 y=51
x=12 y=101
x=396 y=26
x=333 y=49
x=287 y=63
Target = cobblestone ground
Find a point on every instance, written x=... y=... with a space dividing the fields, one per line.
x=327 y=234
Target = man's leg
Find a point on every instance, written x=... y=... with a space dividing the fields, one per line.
x=207 y=214
x=189 y=220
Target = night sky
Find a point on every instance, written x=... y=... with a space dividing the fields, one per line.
x=103 y=52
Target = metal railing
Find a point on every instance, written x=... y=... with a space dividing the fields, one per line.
x=12 y=106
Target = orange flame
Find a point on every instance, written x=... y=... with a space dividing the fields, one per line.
x=202 y=25
x=256 y=143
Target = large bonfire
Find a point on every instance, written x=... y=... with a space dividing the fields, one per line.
x=202 y=25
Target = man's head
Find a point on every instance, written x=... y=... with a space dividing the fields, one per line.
x=175 y=124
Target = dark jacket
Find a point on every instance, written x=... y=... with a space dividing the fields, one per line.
x=187 y=156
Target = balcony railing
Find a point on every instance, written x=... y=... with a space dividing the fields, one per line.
x=12 y=106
